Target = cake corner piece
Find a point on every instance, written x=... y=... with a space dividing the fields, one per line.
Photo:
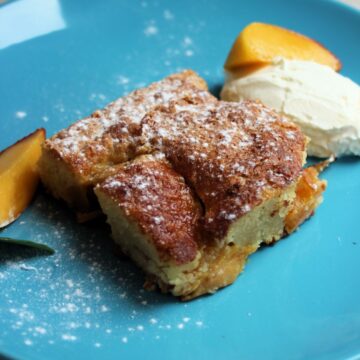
x=75 y=159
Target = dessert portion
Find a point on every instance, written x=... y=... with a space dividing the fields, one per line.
x=75 y=159
x=19 y=176
x=223 y=179
x=190 y=185
x=306 y=89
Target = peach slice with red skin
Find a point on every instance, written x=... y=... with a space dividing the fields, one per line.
x=259 y=44
x=19 y=176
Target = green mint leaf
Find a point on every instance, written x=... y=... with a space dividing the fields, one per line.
x=27 y=243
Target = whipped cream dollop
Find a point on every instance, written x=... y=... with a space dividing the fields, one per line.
x=325 y=104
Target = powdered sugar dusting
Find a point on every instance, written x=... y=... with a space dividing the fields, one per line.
x=151 y=30
x=122 y=80
x=168 y=15
x=68 y=337
x=28 y=342
x=20 y=114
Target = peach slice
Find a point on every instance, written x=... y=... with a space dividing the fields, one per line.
x=19 y=176
x=260 y=43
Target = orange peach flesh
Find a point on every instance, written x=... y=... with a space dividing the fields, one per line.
x=260 y=43
x=19 y=176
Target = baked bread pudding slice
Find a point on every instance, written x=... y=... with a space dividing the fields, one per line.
x=191 y=186
x=75 y=159
x=210 y=183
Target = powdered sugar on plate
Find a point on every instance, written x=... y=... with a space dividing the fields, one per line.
x=83 y=292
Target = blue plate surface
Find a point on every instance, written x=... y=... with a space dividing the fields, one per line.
x=60 y=60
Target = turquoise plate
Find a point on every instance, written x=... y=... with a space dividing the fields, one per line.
x=60 y=60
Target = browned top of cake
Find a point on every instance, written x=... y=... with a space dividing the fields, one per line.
x=105 y=137
x=156 y=198
x=232 y=154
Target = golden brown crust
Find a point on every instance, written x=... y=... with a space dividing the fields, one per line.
x=157 y=199
x=224 y=266
x=309 y=190
x=232 y=154
x=106 y=137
